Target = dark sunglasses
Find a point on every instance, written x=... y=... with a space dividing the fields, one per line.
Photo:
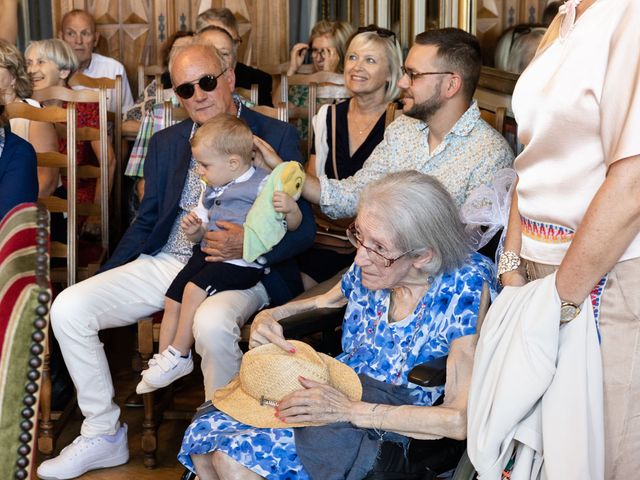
x=382 y=32
x=208 y=83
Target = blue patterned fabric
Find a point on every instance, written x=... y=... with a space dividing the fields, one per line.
x=372 y=346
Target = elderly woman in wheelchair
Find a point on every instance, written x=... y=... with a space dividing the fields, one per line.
x=412 y=295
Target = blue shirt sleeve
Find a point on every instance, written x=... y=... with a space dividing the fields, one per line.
x=18 y=174
x=460 y=296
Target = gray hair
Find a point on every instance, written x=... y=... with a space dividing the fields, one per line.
x=222 y=15
x=199 y=39
x=392 y=52
x=58 y=51
x=210 y=50
x=420 y=215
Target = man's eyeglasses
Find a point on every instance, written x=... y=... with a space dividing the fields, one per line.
x=207 y=83
x=382 y=32
x=375 y=257
x=413 y=75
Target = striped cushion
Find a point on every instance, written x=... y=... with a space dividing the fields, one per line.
x=24 y=302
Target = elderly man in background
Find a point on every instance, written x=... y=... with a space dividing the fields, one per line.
x=78 y=29
x=134 y=281
x=441 y=132
x=245 y=75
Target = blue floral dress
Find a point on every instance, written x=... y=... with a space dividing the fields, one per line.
x=372 y=346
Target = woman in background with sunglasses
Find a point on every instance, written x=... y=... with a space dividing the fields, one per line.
x=50 y=63
x=413 y=294
x=345 y=135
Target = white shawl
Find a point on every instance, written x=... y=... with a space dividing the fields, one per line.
x=537 y=386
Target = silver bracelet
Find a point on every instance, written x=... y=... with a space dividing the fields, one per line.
x=508 y=262
x=378 y=431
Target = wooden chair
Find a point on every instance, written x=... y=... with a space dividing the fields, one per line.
x=279 y=112
x=114 y=118
x=65 y=120
x=173 y=114
x=54 y=159
x=251 y=94
x=494 y=117
x=25 y=297
x=324 y=87
x=146 y=73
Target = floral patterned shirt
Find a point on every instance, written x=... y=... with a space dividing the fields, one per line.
x=467 y=157
x=388 y=351
x=178 y=244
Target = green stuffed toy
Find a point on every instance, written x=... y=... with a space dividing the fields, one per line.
x=264 y=227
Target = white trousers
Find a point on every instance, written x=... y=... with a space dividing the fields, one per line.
x=121 y=296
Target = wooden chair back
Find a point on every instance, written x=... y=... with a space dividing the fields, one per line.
x=173 y=114
x=251 y=95
x=279 y=112
x=115 y=118
x=324 y=87
x=494 y=117
x=146 y=73
x=65 y=121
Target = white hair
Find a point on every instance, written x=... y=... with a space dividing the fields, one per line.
x=420 y=215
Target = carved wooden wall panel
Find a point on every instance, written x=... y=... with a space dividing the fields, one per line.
x=133 y=31
x=264 y=27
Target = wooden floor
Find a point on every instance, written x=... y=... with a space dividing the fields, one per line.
x=169 y=437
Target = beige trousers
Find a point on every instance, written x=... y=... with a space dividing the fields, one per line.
x=620 y=332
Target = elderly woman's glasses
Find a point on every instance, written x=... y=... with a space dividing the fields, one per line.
x=382 y=32
x=207 y=83
x=375 y=257
x=413 y=75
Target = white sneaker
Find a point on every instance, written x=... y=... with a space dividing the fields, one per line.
x=166 y=367
x=143 y=387
x=85 y=454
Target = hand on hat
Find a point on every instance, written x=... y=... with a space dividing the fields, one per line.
x=266 y=329
x=318 y=402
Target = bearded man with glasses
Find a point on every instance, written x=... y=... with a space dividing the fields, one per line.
x=133 y=282
x=441 y=132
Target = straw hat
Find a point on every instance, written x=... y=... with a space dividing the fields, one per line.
x=268 y=373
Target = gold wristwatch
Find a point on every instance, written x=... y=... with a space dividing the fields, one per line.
x=568 y=311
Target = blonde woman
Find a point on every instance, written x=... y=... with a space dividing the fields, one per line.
x=371 y=72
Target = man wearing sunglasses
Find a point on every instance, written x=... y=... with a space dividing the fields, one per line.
x=132 y=284
x=441 y=132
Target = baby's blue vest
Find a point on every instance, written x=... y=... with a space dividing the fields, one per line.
x=234 y=203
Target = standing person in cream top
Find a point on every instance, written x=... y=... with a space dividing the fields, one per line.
x=577 y=207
